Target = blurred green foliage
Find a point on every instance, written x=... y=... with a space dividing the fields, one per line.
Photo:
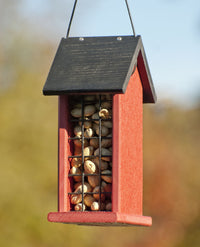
x=28 y=152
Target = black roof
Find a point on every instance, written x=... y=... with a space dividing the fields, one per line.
x=98 y=65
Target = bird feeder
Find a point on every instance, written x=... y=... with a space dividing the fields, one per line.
x=102 y=83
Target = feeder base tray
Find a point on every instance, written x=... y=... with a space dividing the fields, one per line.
x=99 y=219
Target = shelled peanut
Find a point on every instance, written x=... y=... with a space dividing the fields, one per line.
x=97 y=167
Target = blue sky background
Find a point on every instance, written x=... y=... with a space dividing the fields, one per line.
x=170 y=30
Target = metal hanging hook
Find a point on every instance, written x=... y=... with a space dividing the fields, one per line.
x=74 y=8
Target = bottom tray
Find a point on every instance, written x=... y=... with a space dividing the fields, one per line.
x=100 y=218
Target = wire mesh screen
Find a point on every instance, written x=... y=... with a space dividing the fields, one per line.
x=91 y=162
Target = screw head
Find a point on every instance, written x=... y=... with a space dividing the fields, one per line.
x=119 y=38
x=81 y=39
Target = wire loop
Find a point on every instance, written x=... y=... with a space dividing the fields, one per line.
x=74 y=8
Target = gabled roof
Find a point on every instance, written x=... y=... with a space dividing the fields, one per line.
x=98 y=65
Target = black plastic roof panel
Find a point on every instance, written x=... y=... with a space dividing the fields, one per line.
x=95 y=65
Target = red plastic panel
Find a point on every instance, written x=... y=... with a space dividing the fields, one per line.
x=127 y=148
x=63 y=153
x=149 y=95
x=100 y=218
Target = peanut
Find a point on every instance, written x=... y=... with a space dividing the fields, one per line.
x=85 y=188
x=104 y=113
x=75 y=199
x=88 y=133
x=93 y=180
x=97 y=190
x=77 y=150
x=108 y=179
x=89 y=167
x=88 y=187
x=95 y=116
x=107 y=188
x=103 y=152
x=76 y=162
x=76 y=112
x=95 y=127
x=88 y=151
x=104 y=131
x=94 y=143
x=96 y=207
x=87 y=124
x=106 y=143
x=104 y=165
x=76 y=185
x=107 y=124
x=88 y=200
x=78 y=131
x=78 y=142
x=76 y=171
x=79 y=207
x=89 y=110
x=103 y=184
x=109 y=206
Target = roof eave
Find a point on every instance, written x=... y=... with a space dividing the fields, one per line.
x=139 y=60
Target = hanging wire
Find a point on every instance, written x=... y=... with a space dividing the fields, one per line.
x=130 y=17
x=71 y=18
x=74 y=8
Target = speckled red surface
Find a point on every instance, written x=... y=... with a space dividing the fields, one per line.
x=127 y=189
x=127 y=149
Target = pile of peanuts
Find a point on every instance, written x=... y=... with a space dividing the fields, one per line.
x=97 y=185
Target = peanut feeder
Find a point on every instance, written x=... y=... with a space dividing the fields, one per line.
x=102 y=83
